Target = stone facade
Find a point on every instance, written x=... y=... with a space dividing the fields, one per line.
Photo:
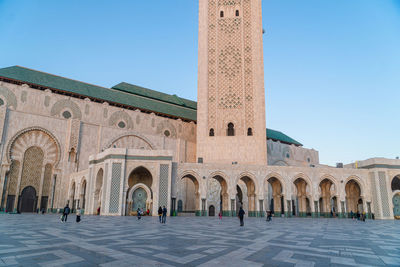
x=61 y=147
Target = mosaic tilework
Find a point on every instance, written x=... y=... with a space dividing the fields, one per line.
x=115 y=187
x=42 y=240
x=384 y=194
x=163 y=189
x=375 y=202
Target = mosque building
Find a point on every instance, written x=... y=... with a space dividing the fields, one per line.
x=114 y=150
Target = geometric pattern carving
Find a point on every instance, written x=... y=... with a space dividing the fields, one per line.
x=63 y=104
x=384 y=194
x=163 y=186
x=248 y=65
x=375 y=203
x=9 y=96
x=230 y=63
x=115 y=187
x=118 y=116
x=14 y=175
x=46 y=180
x=32 y=168
x=34 y=137
x=74 y=130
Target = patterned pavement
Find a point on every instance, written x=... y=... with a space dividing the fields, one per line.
x=42 y=240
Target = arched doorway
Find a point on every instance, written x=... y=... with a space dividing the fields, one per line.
x=396 y=206
x=327 y=188
x=189 y=194
x=83 y=195
x=353 y=197
x=275 y=196
x=32 y=153
x=139 y=193
x=303 y=204
x=28 y=199
x=249 y=198
x=98 y=192
x=219 y=194
x=72 y=200
x=211 y=211
x=395 y=185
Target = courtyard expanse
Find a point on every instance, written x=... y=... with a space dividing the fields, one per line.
x=42 y=240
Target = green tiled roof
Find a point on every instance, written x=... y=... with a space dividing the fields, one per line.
x=137 y=90
x=158 y=103
x=121 y=94
x=283 y=138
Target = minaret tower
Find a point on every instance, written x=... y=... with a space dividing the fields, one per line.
x=231 y=100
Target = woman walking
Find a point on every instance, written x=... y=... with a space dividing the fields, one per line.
x=159 y=213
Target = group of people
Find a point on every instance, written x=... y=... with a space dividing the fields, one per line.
x=162 y=214
x=359 y=216
x=67 y=211
x=140 y=213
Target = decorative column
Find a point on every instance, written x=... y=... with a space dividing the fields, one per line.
x=39 y=204
x=233 y=207
x=16 y=201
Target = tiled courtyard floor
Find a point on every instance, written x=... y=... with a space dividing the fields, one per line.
x=42 y=240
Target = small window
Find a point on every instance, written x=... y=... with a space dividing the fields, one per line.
x=167 y=133
x=308 y=160
x=66 y=114
x=237 y=13
x=121 y=124
x=221 y=14
x=249 y=132
x=211 y=132
x=1 y=102
x=231 y=129
x=287 y=155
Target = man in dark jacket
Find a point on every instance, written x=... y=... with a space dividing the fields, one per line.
x=241 y=216
x=164 y=214
x=66 y=211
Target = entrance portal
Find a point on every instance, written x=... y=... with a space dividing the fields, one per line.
x=211 y=211
x=28 y=199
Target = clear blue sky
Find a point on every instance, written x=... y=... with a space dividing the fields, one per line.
x=332 y=68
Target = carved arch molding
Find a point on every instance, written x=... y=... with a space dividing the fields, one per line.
x=34 y=137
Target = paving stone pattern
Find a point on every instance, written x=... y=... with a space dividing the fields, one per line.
x=42 y=240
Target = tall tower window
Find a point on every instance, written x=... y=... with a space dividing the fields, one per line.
x=231 y=129
x=237 y=13
x=249 y=132
x=211 y=132
x=221 y=14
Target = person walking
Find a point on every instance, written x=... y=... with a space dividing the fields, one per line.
x=139 y=214
x=78 y=214
x=241 y=216
x=66 y=211
x=160 y=213
x=164 y=214
x=269 y=216
x=220 y=215
x=352 y=214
